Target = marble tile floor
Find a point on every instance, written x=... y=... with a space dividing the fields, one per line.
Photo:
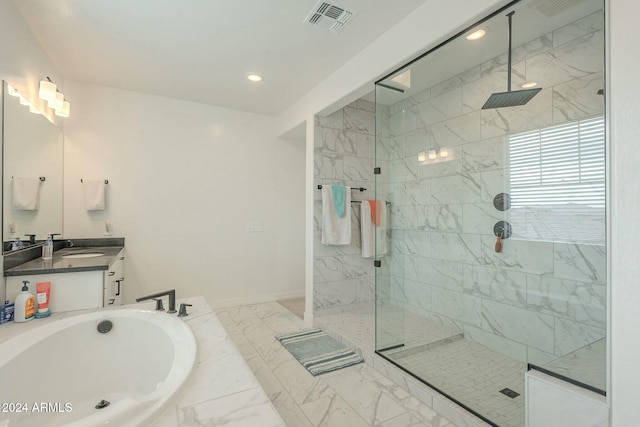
x=294 y=305
x=355 y=396
x=467 y=371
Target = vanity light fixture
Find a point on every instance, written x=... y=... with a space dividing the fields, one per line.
x=48 y=90
x=422 y=156
x=254 y=77
x=444 y=152
x=12 y=91
x=529 y=85
x=57 y=101
x=476 y=35
x=64 y=110
x=432 y=154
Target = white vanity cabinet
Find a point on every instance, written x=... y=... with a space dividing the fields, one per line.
x=76 y=290
x=113 y=282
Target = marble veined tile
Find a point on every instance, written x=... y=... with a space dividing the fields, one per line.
x=503 y=345
x=404 y=121
x=523 y=326
x=578 y=99
x=365 y=145
x=580 y=262
x=245 y=409
x=573 y=60
x=457 y=131
x=444 y=218
x=484 y=155
x=479 y=218
x=457 y=306
x=332 y=412
x=440 y=108
x=223 y=373
x=519 y=54
x=338 y=293
x=416 y=243
x=441 y=273
x=358 y=120
x=358 y=168
x=455 y=189
x=328 y=166
x=334 y=120
x=456 y=81
x=328 y=269
x=578 y=301
x=456 y=247
x=571 y=336
x=579 y=28
x=359 y=393
x=500 y=285
x=519 y=255
x=418 y=192
x=416 y=141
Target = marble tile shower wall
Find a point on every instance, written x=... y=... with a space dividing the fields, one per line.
x=344 y=154
x=536 y=300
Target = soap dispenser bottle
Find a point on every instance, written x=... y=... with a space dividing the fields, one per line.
x=24 y=306
x=47 y=248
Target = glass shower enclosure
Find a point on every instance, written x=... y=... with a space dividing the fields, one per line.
x=496 y=254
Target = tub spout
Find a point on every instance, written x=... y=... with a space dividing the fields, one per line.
x=172 y=299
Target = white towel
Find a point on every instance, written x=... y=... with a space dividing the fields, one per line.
x=93 y=194
x=373 y=235
x=336 y=230
x=26 y=191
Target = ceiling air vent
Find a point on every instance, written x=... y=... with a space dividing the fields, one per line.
x=329 y=16
x=552 y=8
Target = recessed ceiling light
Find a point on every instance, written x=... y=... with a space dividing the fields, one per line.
x=476 y=35
x=254 y=77
x=529 y=85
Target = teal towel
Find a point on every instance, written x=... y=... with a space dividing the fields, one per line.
x=337 y=191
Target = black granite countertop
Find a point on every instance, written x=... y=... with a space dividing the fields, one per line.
x=61 y=264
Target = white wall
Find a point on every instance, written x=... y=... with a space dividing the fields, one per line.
x=184 y=179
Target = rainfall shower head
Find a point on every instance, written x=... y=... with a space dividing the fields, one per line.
x=510 y=98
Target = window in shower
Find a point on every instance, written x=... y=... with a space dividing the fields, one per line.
x=557 y=183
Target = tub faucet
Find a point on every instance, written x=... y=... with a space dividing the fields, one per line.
x=172 y=299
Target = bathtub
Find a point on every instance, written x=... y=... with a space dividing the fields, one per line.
x=56 y=374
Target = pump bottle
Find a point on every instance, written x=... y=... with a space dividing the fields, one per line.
x=24 y=306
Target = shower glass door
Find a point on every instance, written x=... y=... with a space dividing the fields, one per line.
x=496 y=255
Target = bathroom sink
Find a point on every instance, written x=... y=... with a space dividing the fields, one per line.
x=83 y=255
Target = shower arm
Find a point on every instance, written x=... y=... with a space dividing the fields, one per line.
x=509 y=15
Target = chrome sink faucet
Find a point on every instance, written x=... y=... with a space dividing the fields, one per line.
x=172 y=299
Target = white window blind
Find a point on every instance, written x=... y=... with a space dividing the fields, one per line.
x=557 y=180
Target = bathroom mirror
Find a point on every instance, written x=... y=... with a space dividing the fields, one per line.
x=32 y=147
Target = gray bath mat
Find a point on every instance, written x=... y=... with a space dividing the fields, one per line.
x=318 y=352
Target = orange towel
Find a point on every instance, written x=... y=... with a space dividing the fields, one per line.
x=375 y=206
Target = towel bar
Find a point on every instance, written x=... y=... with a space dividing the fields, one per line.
x=106 y=181
x=41 y=178
x=353 y=188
